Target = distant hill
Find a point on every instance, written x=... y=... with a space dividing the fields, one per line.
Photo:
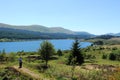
x=39 y=32
x=104 y=37
x=38 y=28
x=118 y=34
x=113 y=34
x=85 y=33
x=61 y=30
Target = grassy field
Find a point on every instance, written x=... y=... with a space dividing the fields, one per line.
x=94 y=68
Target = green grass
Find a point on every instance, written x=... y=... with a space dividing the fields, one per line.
x=58 y=70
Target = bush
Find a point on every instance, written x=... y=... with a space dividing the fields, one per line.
x=114 y=48
x=89 y=56
x=115 y=55
x=98 y=43
x=118 y=56
x=12 y=57
x=59 y=52
x=104 y=56
x=112 y=56
x=3 y=56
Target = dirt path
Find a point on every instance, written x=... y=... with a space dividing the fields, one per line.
x=28 y=72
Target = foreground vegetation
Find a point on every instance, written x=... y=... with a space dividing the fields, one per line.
x=101 y=62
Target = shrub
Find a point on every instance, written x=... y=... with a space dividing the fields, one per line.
x=3 y=56
x=118 y=56
x=12 y=57
x=104 y=56
x=59 y=52
x=114 y=48
x=98 y=43
x=112 y=56
x=115 y=55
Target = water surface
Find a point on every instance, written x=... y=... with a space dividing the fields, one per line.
x=35 y=45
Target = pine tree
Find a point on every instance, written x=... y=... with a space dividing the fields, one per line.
x=59 y=52
x=76 y=53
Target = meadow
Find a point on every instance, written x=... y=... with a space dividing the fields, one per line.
x=98 y=65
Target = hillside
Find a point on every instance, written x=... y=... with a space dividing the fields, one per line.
x=39 y=32
x=38 y=28
x=114 y=34
x=61 y=30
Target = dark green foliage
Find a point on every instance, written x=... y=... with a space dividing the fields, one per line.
x=3 y=56
x=104 y=56
x=73 y=63
x=74 y=78
x=21 y=53
x=118 y=56
x=17 y=34
x=98 y=42
x=115 y=55
x=59 y=52
x=105 y=37
x=101 y=48
x=60 y=78
x=114 y=48
x=12 y=34
x=46 y=51
x=76 y=53
x=112 y=56
x=89 y=56
x=75 y=57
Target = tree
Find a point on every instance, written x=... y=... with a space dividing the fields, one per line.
x=98 y=42
x=73 y=62
x=76 y=53
x=3 y=55
x=75 y=57
x=46 y=51
x=112 y=56
x=104 y=56
x=59 y=52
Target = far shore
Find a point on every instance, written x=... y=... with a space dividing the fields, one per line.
x=20 y=40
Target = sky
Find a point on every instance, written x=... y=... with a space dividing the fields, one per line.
x=93 y=16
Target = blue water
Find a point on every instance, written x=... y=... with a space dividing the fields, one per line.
x=35 y=45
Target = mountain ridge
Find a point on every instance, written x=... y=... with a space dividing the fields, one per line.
x=38 y=28
x=44 y=29
x=39 y=32
x=113 y=34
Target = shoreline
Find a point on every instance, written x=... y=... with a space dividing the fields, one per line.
x=22 y=40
